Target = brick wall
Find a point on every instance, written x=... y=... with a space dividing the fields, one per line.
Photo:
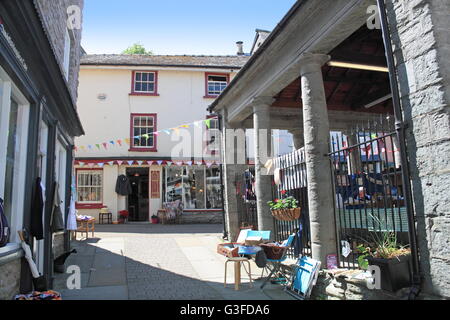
x=421 y=44
x=9 y=280
x=54 y=17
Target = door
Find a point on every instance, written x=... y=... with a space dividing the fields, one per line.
x=138 y=200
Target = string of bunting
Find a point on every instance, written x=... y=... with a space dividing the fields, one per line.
x=101 y=164
x=121 y=142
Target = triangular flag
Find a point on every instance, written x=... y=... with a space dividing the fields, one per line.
x=179 y=163
x=199 y=163
x=169 y=163
x=184 y=126
x=140 y=163
x=91 y=165
x=98 y=146
x=90 y=147
x=112 y=142
x=127 y=141
x=130 y=162
x=111 y=163
x=105 y=145
x=101 y=164
x=159 y=162
x=149 y=163
x=81 y=164
x=119 y=162
x=189 y=163
x=156 y=133
x=208 y=164
x=119 y=142
x=167 y=131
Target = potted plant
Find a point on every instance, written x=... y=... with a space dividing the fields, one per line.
x=392 y=259
x=155 y=219
x=286 y=209
x=123 y=216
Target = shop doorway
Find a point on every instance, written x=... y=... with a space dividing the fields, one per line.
x=138 y=200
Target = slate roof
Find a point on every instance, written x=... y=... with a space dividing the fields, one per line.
x=165 y=61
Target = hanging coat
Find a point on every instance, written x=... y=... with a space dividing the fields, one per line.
x=123 y=186
x=56 y=219
x=37 y=208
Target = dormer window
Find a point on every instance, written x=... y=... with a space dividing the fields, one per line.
x=144 y=83
x=215 y=84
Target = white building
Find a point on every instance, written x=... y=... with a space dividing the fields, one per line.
x=138 y=112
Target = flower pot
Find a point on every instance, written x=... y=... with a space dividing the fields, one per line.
x=155 y=220
x=286 y=214
x=395 y=272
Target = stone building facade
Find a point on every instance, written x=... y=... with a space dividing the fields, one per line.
x=39 y=64
x=424 y=80
x=325 y=45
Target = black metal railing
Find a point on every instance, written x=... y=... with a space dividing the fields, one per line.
x=291 y=180
x=368 y=186
x=246 y=198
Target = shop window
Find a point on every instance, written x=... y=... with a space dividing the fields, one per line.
x=144 y=83
x=142 y=128
x=89 y=186
x=215 y=84
x=14 y=123
x=198 y=187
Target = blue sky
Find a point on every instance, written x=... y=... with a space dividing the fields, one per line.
x=178 y=26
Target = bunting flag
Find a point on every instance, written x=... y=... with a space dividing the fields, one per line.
x=105 y=145
x=91 y=165
x=184 y=126
x=127 y=141
x=81 y=164
x=199 y=163
x=169 y=163
x=208 y=164
x=167 y=131
x=112 y=142
x=189 y=163
x=111 y=163
x=159 y=162
x=140 y=163
x=179 y=163
x=119 y=142
x=100 y=164
x=150 y=163
x=130 y=162
x=98 y=146
x=119 y=162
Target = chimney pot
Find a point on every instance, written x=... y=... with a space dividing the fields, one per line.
x=240 y=46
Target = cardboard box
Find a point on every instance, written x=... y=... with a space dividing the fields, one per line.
x=229 y=250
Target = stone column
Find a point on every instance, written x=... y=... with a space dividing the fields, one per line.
x=299 y=140
x=317 y=141
x=263 y=152
x=353 y=158
x=233 y=163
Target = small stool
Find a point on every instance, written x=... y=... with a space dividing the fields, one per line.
x=105 y=215
x=237 y=271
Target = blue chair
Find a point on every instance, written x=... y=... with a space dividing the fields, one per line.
x=275 y=265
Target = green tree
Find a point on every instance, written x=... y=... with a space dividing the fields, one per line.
x=137 y=48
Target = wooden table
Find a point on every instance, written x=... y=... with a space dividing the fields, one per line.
x=85 y=226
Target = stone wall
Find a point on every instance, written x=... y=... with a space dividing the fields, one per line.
x=421 y=43
x=201 y=218
x=54 y=17
x=9 y=279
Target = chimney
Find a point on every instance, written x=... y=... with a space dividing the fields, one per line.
x=240 y=46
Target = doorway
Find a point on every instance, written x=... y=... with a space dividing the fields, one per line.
x=138 y=200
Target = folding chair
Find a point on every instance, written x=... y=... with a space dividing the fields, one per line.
x=304 y=278
x=275 y=265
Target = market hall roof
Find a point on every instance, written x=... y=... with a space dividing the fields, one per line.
x=187 y=61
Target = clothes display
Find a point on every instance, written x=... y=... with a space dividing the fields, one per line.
x=72 y=216
x=37 y=208
x=123 y=186
x=56 y=219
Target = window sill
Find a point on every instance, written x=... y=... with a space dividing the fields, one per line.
x=144 y=94
x=143 y=150
x=10 y=252
x=210 y=97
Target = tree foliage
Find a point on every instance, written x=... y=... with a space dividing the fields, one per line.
x=137 y=48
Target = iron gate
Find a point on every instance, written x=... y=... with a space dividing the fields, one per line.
x=369 y=198
x=246 y=198
x=293 y=182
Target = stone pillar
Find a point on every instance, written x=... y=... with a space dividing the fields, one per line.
x=233 y=163
x=317 y=141
x=353 y=158
x=298 y=138
x=263 y=152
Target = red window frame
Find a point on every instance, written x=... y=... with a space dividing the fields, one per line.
x=155 y=138
x=87 y=205
x=207 y=74
x=133 y=80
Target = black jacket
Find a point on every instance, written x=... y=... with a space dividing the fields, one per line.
x=123 y=186
x=37 y=206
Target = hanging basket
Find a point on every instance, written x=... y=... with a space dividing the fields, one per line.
x=286 y=214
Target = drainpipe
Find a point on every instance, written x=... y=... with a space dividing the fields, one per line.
x=225 y=231
x=400 y=129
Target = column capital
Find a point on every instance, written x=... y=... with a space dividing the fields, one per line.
x=259 y=102
x=310 y=62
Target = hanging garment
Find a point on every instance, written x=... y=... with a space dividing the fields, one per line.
x=56 y=219
x=298 y=245
x=123 y=186
x=72 y=216
x=37 y=208
x=5 y=231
